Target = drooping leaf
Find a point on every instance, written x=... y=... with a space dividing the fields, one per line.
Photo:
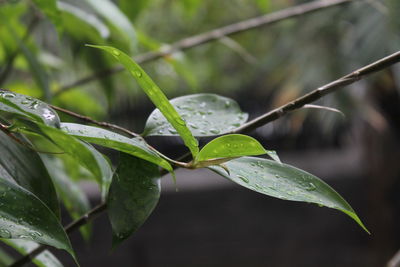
x=231 y=146
x=26 y=168
x=205 y=114
x=28 y=107
x=134 y=146
x=157 y=97
x=134 y=193
x=24 y=216
x=72 y=196
x=44 y=259
x=108 y=10
x=285 y=182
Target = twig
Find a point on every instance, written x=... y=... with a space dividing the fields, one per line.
x=319 y=92
x=395 y=261
x=215 y=34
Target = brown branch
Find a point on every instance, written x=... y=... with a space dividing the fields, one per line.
x=215 y=34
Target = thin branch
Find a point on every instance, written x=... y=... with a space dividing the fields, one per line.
x=216 y=34
x=395 y=261
x=319 y=92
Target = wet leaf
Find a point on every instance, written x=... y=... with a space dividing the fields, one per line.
x=25 y=167
x=134 y=146
x=285 y=182
x=44 y=259
x=205 y=114
x=28 y=107
x=24 y=216
x=156 y=96
x=231 y=146
x=134 y=193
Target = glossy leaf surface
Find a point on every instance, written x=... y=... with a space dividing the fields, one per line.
x=44 y=259
x=230 y=146
x=28 y=107
x=24 y=216
x=285 y=182
x=134 y=193
x=205 y=114
x=156 y=96
x=26 y=168
x=134 y=146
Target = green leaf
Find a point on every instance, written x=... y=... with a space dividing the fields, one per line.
x=67 y=143
x=115 y=17
x=5 y=259
x=134 y=193
x=134 y=146
x=49 y=8
x=44 y=259
x=24 y=216
x=205 y=114
x=230 y=146
x=28 y=107
x=285 y=182
x=156 y=96
x=74 y=199
x=27 y=170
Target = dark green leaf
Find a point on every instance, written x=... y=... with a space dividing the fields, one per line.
x=231 y=146
x=134 y=193
x=24 y=216
x=27 y=170
x=44 y=259
x=49 y=8
x=205 y=114
x=285 y=182
x=156 y=95
x=134 y=146
x=28 y=107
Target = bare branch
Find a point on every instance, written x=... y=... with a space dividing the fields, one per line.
x=216 y=34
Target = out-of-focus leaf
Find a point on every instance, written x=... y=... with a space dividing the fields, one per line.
x=24 y=216
x=156 y=96
x=74 y=199
x=5 y=259
x=44 y=259
x=134 y=146
x=205 y=114
x=114 y=16
x=285 y=182
x=86 y=17
x=49 y=8
x=134 y=193
x=231 y=146
x=133 y=8
x=27 y=170
x=28 y=107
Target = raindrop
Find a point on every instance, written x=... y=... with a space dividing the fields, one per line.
x=194 y=142
x=4 y=233
x=180 y=121
x=161 y=131
x=203 y=104
x=210 y=112
x=244 y=179
x=116 y=52
x=172 y=131
x=138 y=73
x=310 y=187
x=34 y=105
x=203 y=132
x=277 y=176
x=227 y=104
x=214 y=131
x=236 y=124
x=25 y=102
x=193 y=126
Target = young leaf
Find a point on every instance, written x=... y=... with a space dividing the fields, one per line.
x=24 y=216
x=27 y=170
x=134 y=146
x=205 y=114
x=285 y=182
x=44 y=259
x=230 y=146
x=28 y=107
x=156 y=96
x=134 y=193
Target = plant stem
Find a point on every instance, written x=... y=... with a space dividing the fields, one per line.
x=215 y=34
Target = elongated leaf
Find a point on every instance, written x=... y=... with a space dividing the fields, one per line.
x=73 y=197
x=205 y=114
x=24 y=216
x=28 y=107
x=86 y=17
x=231 y=146
x=5 y=259
x=134 y=193
x=156 y=96
x=27 y=170
x=44 y=259
x=115 y=17
x=285 y=182
x=67 y=143
x=134 y=146
x=49 y=8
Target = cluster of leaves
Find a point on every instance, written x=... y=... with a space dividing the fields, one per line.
x=39 y=151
